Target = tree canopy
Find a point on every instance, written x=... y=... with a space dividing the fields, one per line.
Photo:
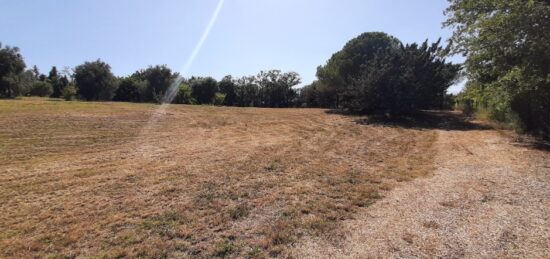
x=507 y=46
x=375 y=72
x=159 y=78
x=11 y=66
x=276 y=87
x=95 y=81
x=204 y=89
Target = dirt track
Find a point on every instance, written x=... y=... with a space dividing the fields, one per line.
x=489 y=198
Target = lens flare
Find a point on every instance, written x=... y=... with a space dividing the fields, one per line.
x=172 y=91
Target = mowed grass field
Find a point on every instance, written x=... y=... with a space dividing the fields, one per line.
x=91 y=179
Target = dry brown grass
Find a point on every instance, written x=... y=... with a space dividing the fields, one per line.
x=85 y=179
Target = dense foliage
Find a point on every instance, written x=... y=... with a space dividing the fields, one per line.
x=204 y=90
x=375 y=72
x=507 y=46
x=95 y=81
x=228 y=87
x=158 y=80
x=11 y=67
x=130 y=89
x=58 y=82
x=41 y=88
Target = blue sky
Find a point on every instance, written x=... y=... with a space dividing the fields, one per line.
x=248 y=35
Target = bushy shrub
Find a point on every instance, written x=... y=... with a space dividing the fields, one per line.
x=184 y=95
x=69 y=92
x=41 y=88
x=204 y=89
x=130 y=89
x=219 y=99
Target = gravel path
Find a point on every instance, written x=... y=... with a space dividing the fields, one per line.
x=489 y=198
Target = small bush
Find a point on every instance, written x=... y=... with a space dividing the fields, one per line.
x=41 y=88
x=68 y=92
x=219 y=99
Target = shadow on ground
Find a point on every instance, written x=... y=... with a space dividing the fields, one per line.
x=444 y=120
x=531 y=142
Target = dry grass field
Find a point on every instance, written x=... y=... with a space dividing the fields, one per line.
x=97 y=180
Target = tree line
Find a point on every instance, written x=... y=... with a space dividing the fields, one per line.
x=374 y=72
x=506 y=45
x=94 y=81
x=507 y=50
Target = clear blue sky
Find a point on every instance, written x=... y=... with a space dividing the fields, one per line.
x=248 y=36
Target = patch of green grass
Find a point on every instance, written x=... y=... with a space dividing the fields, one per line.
x=224 y=248
x=164 y=224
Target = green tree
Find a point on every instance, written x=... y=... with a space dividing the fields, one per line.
x=379 y=86
x=58 y=82
x=130 y=89
x=159 y=78
x=41 y=88
x=276 y=87
x=204 y=89
x=69 y=92
x=184 y=95
x=507 y=46
x=95 y=81
x=228 y=87
x=35 y=72
x=11 y=66
x=219 y=98
x=375 y=72
x=427 y=75
x=345 y=65
x=24 y=82
x=308 y=96
x=248 y=92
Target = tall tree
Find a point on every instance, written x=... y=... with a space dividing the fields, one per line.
x=35 y=72
x=11 y=66
x=228 y=87
x=248 y=92
x=130 y=89
x=53 y=75
x=345 y=65
x=159 y=78
x=204 y=89
x=95 y=81
x=375 y=72
x=427 y=75
x=276 y=87
x=57 y=82
x=507 y=46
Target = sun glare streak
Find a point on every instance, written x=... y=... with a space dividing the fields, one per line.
x=172 y=91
